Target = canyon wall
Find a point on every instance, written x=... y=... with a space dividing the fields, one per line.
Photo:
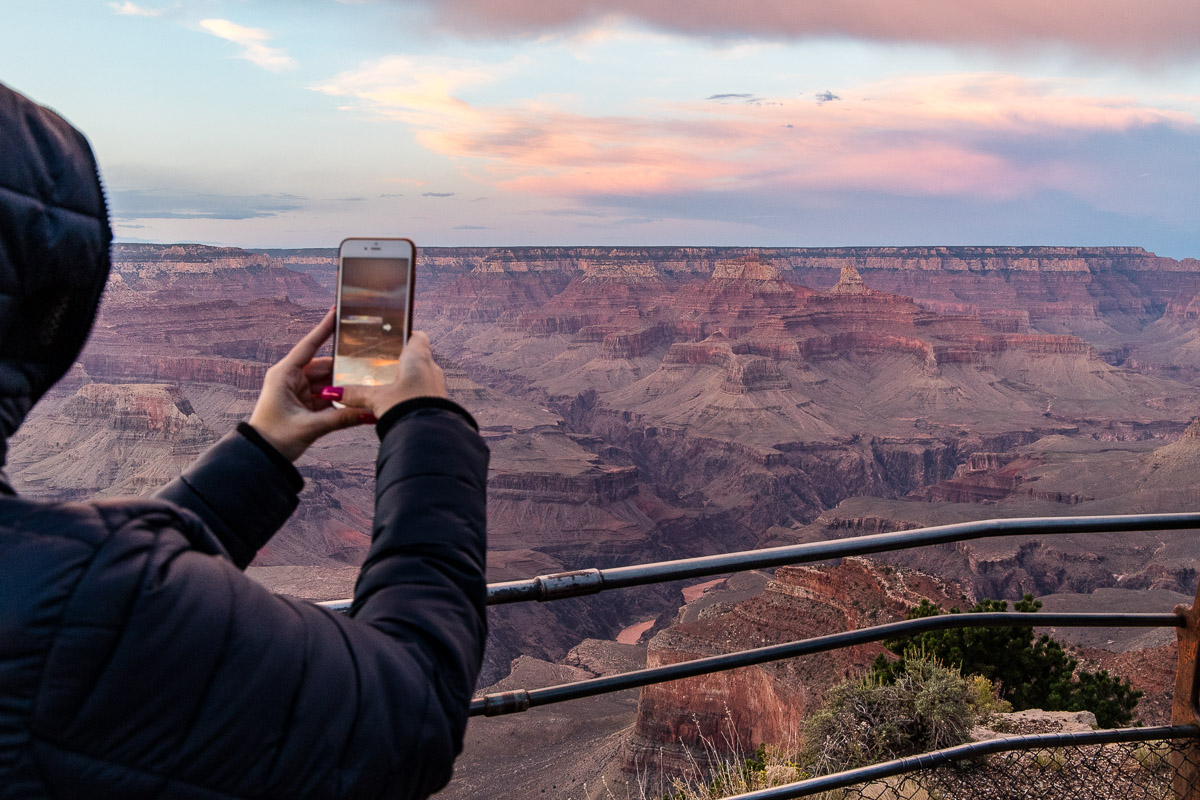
x=646 y=403
x=690 y=720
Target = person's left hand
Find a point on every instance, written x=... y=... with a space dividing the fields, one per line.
x=290 y=413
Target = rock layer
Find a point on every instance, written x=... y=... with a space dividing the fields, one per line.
x=737 y=710
x=646 y=403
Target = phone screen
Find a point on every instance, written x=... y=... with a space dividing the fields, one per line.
x=371 y=320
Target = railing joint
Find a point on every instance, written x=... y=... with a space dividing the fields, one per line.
x=513 y=702
x=568 y=584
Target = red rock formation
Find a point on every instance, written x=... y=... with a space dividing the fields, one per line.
x=158 y=411
x=182 y=272
x=107 y=439
x=602 y=485
x=753 y=374
x=489 y=293
x=714 y=350
x=740 y=709
x=603 y=291
x=984 y=478
x=654 y=402
x=1065 y=283
x=192 y=369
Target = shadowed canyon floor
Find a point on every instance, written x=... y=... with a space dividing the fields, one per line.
x=649 y=403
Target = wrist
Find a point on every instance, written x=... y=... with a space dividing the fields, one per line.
x=399 y=410
x=385 y=404
x=281 y=462
x=288 y=449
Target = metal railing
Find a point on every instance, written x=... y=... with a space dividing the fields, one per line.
x=518 y=700
x=575 y=583
x=1184 y=783
x=875 y=774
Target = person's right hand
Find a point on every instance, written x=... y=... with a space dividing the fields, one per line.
x=292 y=411
x=418 y=376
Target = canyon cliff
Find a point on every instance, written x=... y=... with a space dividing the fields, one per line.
x=689 y=720
x=649 y=403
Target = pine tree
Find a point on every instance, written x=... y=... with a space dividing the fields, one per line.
x=1029 y=672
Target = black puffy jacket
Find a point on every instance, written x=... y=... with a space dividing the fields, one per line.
x=136 y=660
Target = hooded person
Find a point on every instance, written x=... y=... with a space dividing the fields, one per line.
x=136 y=659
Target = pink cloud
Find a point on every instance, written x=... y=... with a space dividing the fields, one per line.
x=927 y=136
x=1155 y=30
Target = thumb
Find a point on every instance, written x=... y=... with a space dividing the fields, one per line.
x=335 y=419
x=357 y=397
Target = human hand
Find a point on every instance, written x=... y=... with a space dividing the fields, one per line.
x=290 y=413
x=417 y=376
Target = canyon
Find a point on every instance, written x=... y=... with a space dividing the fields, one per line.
x=663 y=402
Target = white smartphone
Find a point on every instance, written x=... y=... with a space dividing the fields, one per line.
x=374 y=309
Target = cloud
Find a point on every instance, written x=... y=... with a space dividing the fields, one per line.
x=826 y=97
x=138 y=204
x=564 y=212
x=740 y=97
x=129 y=9
x=957 y=135
x=252 y=41
x=471 y=228
x=437 y=194
x=1156 y=31
x=420 y=92
x=867 y=218
x=390 y=196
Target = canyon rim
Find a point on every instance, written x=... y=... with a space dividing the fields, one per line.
x=651 y=403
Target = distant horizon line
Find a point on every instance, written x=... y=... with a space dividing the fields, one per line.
x=1133 y=249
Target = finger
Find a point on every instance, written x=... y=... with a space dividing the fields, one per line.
x=358 y=397
x=420 y=340
x=318 y=375
x=307 y=347
x=335 y=419
x=319 y=369
x=417 y=348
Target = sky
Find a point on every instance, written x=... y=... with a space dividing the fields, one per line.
x=296 y=123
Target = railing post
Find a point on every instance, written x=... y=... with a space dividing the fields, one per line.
x=1186 y=759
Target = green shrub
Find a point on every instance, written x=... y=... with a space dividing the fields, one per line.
x=1027 y=672
x=984 y=699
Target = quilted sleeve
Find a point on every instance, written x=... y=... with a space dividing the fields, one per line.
x=242 y=489
x=186 y=679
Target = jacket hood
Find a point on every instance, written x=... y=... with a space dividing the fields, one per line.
x=54 y=252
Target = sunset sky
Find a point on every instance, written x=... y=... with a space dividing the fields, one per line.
x=265 y=123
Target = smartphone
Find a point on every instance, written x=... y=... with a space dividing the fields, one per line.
x=374 y=309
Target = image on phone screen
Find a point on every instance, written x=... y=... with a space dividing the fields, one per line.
x=371 y=321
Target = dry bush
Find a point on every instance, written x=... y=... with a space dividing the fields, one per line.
x=928 y=707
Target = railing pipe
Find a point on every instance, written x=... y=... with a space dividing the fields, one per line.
x=937 y=758
x=523 y=699
x=591 y=581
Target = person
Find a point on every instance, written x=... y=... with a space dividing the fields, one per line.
x=136 y=658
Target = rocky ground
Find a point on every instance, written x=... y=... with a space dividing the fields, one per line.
x=571 y=750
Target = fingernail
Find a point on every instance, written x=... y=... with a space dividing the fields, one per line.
x=367 y=418
x=331 y=393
